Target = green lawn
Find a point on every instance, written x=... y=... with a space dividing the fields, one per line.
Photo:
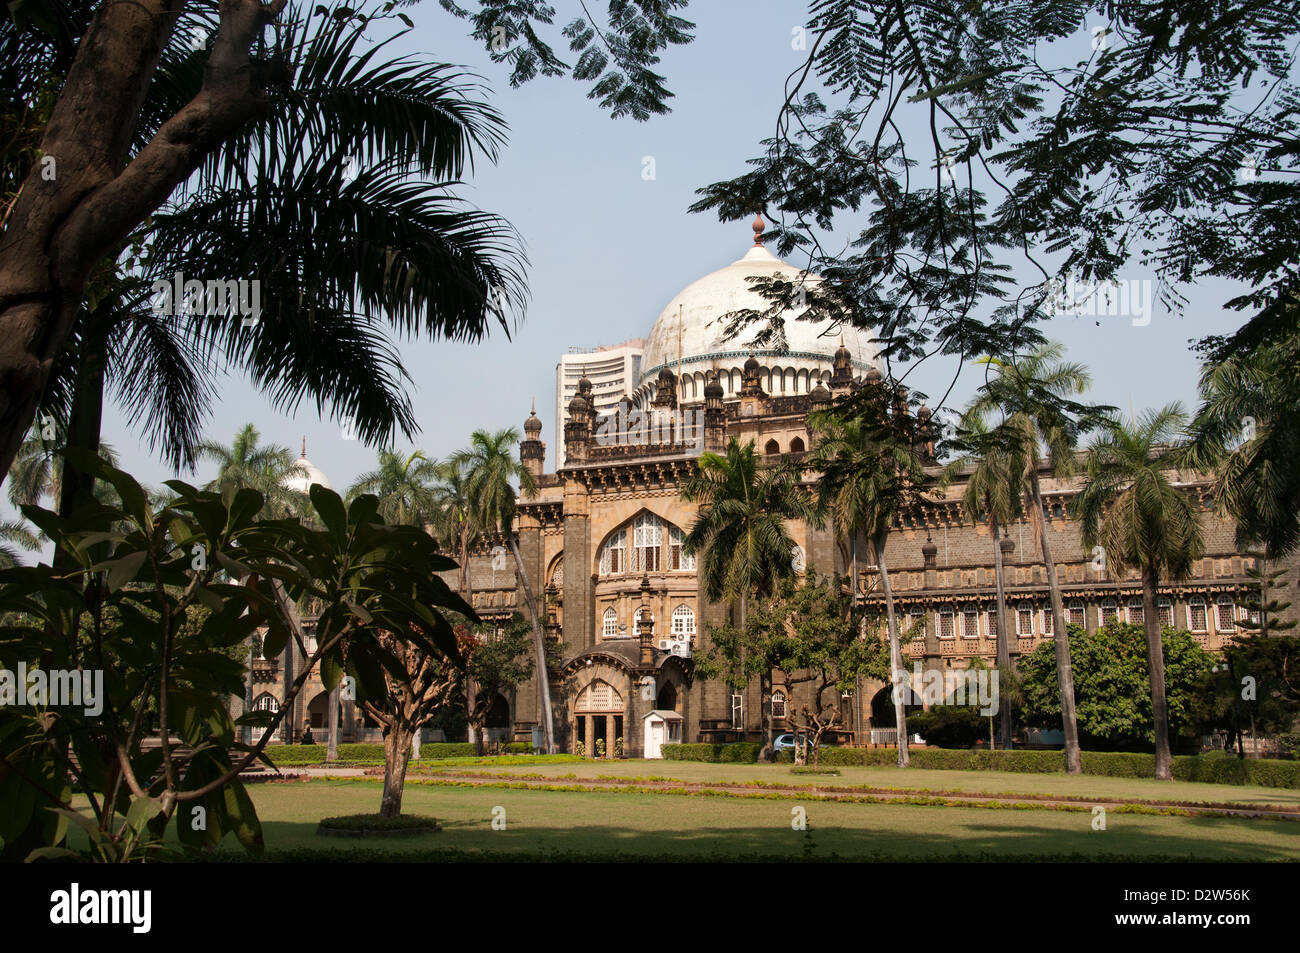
x=996 y=782
x=598 y=824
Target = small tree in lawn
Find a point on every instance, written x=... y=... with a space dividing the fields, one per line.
x=498 y=660
x=421 y=682
x=826 y=646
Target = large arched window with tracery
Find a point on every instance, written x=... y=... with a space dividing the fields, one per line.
x=651 y=548
x=609 y=627
x=683 y=621
x=647 y=543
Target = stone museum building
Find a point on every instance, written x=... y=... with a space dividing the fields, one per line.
x=602 y=541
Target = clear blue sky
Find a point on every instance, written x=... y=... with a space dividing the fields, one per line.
x=609 y=249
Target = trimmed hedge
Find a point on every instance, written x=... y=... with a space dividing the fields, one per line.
x=1114 y=764
x=737 y=752
x=315 y=754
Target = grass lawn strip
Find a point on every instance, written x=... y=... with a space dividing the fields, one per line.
x=820 y=792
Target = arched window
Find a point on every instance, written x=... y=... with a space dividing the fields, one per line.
x=678 y=561
x=599 y=696
x=609 y=628
x=1109 y=612
x=683 y=621
x=1197 y=619
x=778 y=704
x=1074 y=613
x=993 y=621
x=970 y=622
x=796 y=445
x=1225 y=614
x=1166 y=607
x=613 y=555
x=772 y=447
x=1047 y=621
x=647 y=543
x=798 y=561
x=947 y=623
x=1024 y=619
x=1133 y=613
x=267 y=702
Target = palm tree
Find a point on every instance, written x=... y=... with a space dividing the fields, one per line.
x=1031 y=398
x=335 y=201
x=1246 y=434
x=741 y=532
x=38 y=470
x=457 y=527
x=992 y=494
x=1135 y=512
x=404 y=487
x=15 y=533
x=870 y=471
x=490 y=471
x=267 y=468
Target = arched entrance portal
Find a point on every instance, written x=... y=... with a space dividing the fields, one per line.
x=667 y=700
x=497 y=726
x=598 y=716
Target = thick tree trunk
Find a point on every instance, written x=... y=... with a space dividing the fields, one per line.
x=397 y=754
x=1004 y=636
x=68 y=217
x=1064 y=670
x=895 y=653
x=1156 y=666
x=543 y=674
x=85 y=420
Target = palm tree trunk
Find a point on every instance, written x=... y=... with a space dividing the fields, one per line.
x=1064 y=670
x=1004 y=637
x=895 y=652
x=471 y=729
x=332 y=749
x=1156 y=666
x=543 y=674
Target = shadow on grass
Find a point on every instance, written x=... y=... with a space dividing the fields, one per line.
x=1196 y=839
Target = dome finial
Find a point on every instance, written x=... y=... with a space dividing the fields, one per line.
x=758 y=229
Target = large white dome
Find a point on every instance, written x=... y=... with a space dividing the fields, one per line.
x=688 y=336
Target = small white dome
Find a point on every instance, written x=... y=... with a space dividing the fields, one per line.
x=313 y=475
x=688 y=335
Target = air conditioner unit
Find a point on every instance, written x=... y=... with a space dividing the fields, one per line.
x=666 y=644
x=682 y=649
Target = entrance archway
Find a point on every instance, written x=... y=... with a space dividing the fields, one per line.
x=598 y=716
x=667 y=700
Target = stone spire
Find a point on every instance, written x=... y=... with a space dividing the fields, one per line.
x=532 y=452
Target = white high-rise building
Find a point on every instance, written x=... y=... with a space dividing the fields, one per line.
x=613 y=371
